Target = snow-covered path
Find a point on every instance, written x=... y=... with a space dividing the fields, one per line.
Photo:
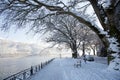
x=63 y=69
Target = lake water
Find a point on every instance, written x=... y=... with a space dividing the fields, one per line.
x=9 y=66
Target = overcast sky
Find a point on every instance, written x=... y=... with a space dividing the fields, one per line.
x=21 y=36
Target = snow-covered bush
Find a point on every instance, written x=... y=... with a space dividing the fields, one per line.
x=115 y=64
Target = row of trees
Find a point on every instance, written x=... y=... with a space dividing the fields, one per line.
x=67 y=30
x=37 y=12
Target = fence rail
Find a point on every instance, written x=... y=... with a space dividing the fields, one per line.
x=28 y=72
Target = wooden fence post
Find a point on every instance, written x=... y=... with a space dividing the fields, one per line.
x=14 y=78
x=41 y=66
x=31 y=71
x=24 y=75
x=36 y=68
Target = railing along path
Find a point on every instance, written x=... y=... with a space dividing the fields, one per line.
x=28 y=72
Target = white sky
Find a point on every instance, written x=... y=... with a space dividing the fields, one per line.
x=19 y=36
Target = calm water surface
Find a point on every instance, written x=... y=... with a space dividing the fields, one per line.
x=9 y=66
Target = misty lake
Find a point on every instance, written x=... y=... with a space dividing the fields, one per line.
x=9 y=66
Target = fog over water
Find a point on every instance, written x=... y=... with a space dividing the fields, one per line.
x=9 y=66
x=18 y=56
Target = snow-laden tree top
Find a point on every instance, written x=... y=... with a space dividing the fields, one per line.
x=23 y=11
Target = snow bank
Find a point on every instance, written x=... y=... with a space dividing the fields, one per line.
x=113 y=46
x=114 y=65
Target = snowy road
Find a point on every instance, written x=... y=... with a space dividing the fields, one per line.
x=63 y=69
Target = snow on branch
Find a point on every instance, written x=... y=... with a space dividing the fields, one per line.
x=105 y=3
x=23 y=11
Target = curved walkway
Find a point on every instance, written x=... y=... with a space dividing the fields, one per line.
x=64 y=69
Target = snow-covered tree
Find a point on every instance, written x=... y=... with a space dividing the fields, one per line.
x=67 y=30
x=38 y=11
x=93 y=43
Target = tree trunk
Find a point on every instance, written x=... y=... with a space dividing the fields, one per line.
x=113 y=13
x=94 y=51
x=113 y=25
x=74 y=50
x=103 y=52
x=99 y=12
x=83 y=49
x=74 y=54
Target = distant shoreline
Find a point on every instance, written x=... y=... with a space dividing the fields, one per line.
x=18 y=56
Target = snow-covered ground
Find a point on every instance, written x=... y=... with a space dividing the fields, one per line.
x=64 y=69
x=102 y=60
